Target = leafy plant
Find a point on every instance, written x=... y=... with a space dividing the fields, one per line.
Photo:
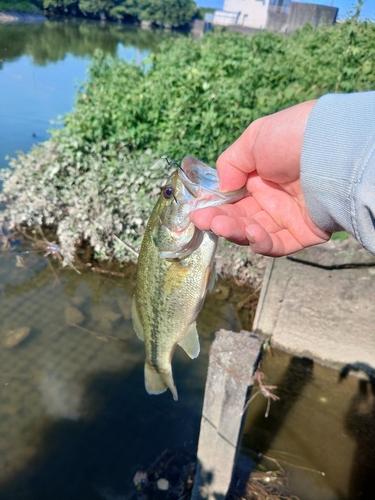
x=340 y=236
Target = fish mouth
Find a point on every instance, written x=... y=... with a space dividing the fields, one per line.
x=202 y=183
x=196 y=174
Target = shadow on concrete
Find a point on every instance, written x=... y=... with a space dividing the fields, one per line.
x=360 y=424
x=202 y=483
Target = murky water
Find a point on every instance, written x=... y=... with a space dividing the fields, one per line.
x=75 y=419
x=321 y=431
x=77 y=423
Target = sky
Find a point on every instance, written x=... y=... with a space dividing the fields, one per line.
x=344 y=6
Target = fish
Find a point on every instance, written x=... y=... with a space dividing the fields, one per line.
x=175 y=269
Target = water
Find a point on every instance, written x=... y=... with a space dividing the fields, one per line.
x=42 y=65
x=75 y=419
x=321 y=431
x=76 y=422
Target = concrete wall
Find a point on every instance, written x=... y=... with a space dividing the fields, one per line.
x=276 y=21
x=302 y=13
x=259 y=14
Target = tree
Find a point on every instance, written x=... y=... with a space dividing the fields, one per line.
x=125 y=9
x=171 y=12
x=60 y=5
x=96 y=7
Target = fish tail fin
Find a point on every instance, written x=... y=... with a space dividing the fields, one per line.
x=158 y=382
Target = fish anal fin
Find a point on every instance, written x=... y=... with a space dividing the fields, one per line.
x=137 y=322
x=190 y=343
x=158 y=382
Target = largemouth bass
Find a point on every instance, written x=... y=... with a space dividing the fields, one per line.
x=175 y=268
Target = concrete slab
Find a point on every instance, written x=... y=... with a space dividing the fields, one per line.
x=233 y=359
x=320 y=303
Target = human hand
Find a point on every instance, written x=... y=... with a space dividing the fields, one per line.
x=274 y=219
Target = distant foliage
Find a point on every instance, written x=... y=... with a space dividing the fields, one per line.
x=101 y=7
x=162 y=12
x=93 y=178
x=167 y=12
x=32 y=7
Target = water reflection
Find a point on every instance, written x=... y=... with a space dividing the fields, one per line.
x=75 y=419
x=51 y=41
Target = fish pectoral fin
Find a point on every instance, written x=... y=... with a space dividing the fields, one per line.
x=137 y=322
x=190 y=343
x=158 y=382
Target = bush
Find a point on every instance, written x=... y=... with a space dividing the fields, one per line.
x=93 y=178
x=197 y=97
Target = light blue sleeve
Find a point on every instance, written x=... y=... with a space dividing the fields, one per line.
x=338 y=165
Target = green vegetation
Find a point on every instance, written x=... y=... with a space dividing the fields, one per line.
x=93 y=179
x=340 y=236
x=201 y=11
x=162 y=12
x=20 y=6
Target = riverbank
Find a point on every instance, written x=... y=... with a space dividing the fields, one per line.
x=97 y=179
x=12 y=17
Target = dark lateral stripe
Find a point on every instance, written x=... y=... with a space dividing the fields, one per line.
x=154 y=323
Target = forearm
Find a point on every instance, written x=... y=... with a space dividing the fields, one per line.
x=338 y=165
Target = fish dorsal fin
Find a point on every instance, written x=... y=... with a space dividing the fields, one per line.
x=190 y=343
x=136 y=321
x=185 y=250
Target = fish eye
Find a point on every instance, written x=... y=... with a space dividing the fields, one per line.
x=168 y=192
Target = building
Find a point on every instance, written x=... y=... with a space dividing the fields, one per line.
x=248 y=13
x=274 y=15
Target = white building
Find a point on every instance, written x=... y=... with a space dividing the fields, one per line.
x=249 y=13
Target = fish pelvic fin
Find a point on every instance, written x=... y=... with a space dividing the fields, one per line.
x=190 y=343
x=136 y=321
x=158 y=382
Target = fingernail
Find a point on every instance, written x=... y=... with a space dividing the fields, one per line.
x=250 y=236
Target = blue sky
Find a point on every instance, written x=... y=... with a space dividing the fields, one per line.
x=344 y=6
